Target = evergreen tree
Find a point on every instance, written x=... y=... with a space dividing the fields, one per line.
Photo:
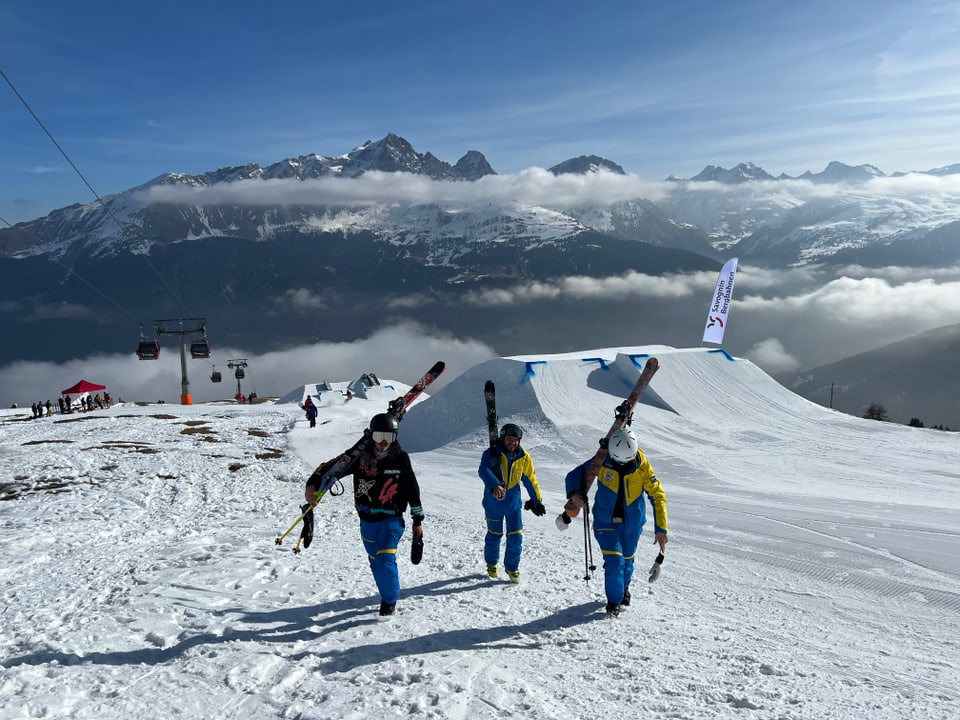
x=916 y=422
x=876 y=411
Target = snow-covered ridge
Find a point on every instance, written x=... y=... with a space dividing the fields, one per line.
x=140 y=562
x=743 y=210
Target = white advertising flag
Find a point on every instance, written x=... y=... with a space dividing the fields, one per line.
x=720 y=304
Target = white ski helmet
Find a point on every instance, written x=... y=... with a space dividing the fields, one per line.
x=622 y=446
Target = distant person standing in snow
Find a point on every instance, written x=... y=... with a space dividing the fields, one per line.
x=503 y=469
x=619 y=512
x=384 y=484
x=311 y=410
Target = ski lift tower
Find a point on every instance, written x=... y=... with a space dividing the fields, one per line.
x=199 y=347
x=237 y=366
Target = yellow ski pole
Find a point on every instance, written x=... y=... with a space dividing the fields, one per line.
x=279 y=540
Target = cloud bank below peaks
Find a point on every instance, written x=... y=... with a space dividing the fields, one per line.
x=401 y=352
x=579 y=287
x=536 y=186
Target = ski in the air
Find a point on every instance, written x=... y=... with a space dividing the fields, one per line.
x=337 y=466
x=623 y=416
x=493 y=433
x=397 y=408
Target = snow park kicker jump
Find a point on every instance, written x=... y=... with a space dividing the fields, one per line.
x=701 y=402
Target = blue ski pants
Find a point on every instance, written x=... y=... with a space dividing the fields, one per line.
x=499 y=512
x=380 y=539
x=618 y=543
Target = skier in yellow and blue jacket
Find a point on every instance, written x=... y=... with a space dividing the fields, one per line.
x=504 y=469
x=619 y=512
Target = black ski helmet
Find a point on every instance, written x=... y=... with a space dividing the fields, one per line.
x=384 y=422
x=511 y=430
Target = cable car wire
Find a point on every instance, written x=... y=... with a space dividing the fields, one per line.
x=49 y=135
x=123 y=230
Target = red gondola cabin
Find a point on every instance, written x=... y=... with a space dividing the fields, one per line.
x=148 y=349
x=200 y=349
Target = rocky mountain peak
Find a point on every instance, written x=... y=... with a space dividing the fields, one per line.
x=586 y=164
x=744 y=172
x=838 y=172
x=473 y=166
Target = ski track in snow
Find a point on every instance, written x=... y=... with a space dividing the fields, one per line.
x=800 y=581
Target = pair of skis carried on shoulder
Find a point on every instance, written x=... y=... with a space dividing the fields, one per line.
x=337 y=467
x=493 y=432
x=623 y=415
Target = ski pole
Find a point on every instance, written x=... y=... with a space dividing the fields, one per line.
x=296 y=548
x=587 y=545
x=279 y=540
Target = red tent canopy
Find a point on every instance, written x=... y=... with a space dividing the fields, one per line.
x=82 y=387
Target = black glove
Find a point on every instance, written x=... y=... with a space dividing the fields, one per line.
x=535 y=507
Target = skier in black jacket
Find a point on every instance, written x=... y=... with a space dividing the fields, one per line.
x=384 y=484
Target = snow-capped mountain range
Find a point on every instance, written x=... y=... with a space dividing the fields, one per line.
x=842 y=214
x=135 y=220
x=326 y=248
x=743 y=210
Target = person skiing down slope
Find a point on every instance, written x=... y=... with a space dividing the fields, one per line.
x=384 y=484
x=503 y=468
x=619 y=512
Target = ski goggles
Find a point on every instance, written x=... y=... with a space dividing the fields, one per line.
x=381 y=436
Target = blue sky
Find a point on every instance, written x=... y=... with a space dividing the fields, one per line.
x=134 y=90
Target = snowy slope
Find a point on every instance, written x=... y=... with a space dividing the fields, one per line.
x=812 y=571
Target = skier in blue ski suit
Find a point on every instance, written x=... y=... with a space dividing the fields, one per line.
x=619 y=512
x=503 y=469
x=311 y=410
x=384 y=484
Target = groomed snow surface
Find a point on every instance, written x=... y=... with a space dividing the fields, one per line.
x=812 y=569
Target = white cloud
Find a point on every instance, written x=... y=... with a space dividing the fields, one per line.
x=410 y=302
x=401 y=352
x=534 y=186
x=772 y=357
x=579 y=287
x=301 y=299
x=901 y=274
x=920 y=200
x=869 y=301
